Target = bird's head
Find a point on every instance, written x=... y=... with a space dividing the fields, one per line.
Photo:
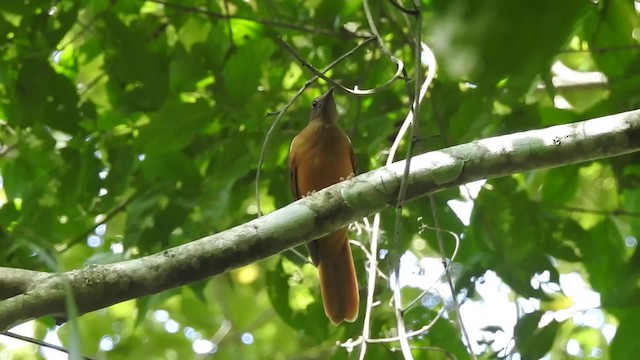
x=323 y=108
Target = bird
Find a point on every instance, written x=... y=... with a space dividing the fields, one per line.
x=322 y=155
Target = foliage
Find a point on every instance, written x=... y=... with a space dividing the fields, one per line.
x=131 y=126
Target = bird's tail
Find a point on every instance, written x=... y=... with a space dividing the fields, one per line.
x=339 y=285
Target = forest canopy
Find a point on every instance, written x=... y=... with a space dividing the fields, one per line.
x=130 y=127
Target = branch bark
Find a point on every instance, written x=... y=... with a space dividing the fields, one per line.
x=29 y=294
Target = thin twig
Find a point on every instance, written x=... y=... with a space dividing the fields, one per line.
x=91 y=83
x=7 y=149
x=374 y=30
x=71 y=306
x=369 y=257
x=217 y=337
x=413 y=333
x=445 y=263
x=300 y=255
x=453 y=256
x=106 y=219
x=371 y=282
x=615 y=212
x=603 y=49
x=353 y=343
x=448 y=354
x=355 y=91
x=40 y=343
x=271 y=23
x=397 y=5
x=376 y=220
x=397 y=290
x=431 y=72
x=226 y=9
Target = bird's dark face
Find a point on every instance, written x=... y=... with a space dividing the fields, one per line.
x=323 y=108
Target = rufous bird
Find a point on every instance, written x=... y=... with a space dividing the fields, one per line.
x=320 y=156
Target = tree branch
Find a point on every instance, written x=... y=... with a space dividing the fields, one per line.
x=16 y=281
x=98 y=286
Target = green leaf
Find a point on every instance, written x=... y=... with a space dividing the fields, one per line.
x=243 y=70
x=80 y=181
x=532 y=341
x=625 y=345
x=312 y=321
x=443 y=338
x=560 y=185
x=42 y=96
x=138 y=72
x=513 y=247
x=611 y=27
x=477 y=35
x=174 y=126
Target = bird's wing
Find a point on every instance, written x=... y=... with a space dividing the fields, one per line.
x=293 y=178
x=354 y=163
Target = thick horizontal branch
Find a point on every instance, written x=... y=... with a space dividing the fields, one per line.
x=98 y=286
x=17 y=281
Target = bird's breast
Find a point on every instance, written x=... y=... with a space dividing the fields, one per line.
x=324 y=159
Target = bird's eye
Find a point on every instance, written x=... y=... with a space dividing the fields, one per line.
x=314 y=104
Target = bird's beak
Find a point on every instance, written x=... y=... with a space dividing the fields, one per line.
x=330 y=93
